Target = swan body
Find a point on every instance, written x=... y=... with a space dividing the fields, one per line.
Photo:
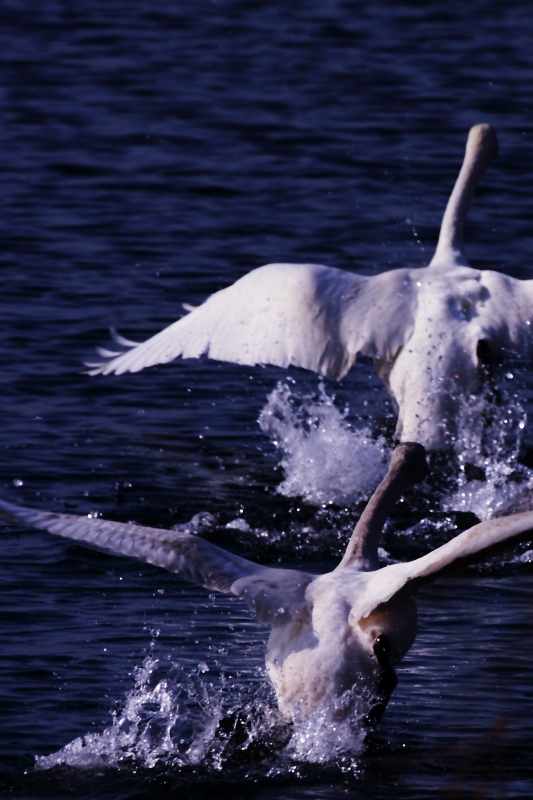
x=334 y=637
x=422 y=327
x=312 y=662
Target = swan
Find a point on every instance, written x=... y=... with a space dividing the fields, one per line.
x=335 y=637
x=433 y=332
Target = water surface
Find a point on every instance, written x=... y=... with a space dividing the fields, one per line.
x=152 y=156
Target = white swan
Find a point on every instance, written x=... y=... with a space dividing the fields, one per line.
x=430 y=331
x=331 y=634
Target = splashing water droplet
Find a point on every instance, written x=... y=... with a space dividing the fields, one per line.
x=490 y=438
x=325 y=459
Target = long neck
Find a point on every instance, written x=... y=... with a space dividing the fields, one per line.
x=407 y=467
x=481 y=150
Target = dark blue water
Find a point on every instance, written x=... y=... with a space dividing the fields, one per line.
x=152 y=155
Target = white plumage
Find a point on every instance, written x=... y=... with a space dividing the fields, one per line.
x=423 y=327
x=330 y=634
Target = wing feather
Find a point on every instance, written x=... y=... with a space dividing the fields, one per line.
x=507 y=317
x=270 y=592
x=304 y=315
x=403 y=580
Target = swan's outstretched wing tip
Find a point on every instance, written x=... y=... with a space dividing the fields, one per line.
x=33 y=517
x=481 y=150
x=9 y=511
x=188 y=555
x=110 y=361
x=107 y=354
x=119 y=339
x=265 y=589
x=484 y=136
x=96 y=367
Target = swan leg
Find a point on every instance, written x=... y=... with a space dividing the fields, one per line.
x=387 y=682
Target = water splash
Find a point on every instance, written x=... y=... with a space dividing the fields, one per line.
x=329 y=460
x=168 y=718
x=326 y=460
x=331 y=735
x=491 y=479
x=177 y=719
x=200 y=523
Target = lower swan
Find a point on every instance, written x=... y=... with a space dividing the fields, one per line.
x=335 y=637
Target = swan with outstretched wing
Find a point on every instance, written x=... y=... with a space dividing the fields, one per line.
x=332 y=636
x=433 y=332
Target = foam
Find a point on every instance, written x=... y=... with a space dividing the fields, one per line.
x=492 y=446
x=326 y=460
x=176 y=719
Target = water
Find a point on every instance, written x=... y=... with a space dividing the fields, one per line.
x=325 y=459
x=150 y=157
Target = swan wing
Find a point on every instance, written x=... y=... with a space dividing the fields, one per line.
x=506 y=319
x=304 y=315
x=398 y=581
x=271 y=593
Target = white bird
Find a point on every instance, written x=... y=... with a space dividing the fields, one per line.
x=334 y=637
x=431 y=331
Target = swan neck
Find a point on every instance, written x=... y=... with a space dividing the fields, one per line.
x=481 y=150
x=408 y=466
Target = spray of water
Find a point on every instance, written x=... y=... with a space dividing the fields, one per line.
x=331 y=735
x=326 y=460
x=187 y=719
x=177 y=719
x=491 y=479
x=168 y=718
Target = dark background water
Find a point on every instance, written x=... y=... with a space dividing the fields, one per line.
x=155 y=154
